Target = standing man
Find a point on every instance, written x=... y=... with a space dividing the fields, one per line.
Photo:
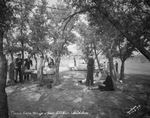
x=90 y=70
x=116 y=66
x=75 y=64
x=18 y=66
x=28 y=64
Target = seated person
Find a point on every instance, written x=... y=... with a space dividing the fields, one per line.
x=107 y=84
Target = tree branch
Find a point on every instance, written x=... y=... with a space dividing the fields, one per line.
x=118 y=26
x=76 y=13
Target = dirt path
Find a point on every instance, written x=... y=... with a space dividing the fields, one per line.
x=68 y=100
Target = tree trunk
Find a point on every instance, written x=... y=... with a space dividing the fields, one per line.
x=35 y=61
x=112 y=70
x=122 y=70
x=3 y=77
x=96 y=56
x=111 y=66
x=21 y=32
x=22 y=51
x=12 y=69
x=40 y=71
x=57 y=64
x=41 y=76
x=12 y=56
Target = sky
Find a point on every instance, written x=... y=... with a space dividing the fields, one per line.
x=73 y=48
x=51 y=2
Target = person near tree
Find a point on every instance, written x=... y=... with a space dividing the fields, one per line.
x=18 y=66
x=107 y=85
x=116 y=66
x=27 y=64
x=90 y=71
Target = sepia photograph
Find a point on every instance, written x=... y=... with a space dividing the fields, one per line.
x=74 y=58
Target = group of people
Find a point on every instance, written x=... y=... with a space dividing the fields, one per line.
x=20 y=66
x=107 y=85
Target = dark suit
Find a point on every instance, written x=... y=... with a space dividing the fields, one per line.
x=28 y=64
x=90 y=70
x=116 y=66
x=108 y=84
x=18 y=70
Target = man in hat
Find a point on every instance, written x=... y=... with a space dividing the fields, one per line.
x=18 y=64
x=90 y=71
x=28 y=64
x=116 y=66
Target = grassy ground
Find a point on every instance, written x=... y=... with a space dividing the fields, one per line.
x=72 y=100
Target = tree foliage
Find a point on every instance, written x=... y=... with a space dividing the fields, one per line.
x=128 y=17
x=6 y=13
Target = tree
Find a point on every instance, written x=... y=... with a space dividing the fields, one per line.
x=39 y=34
x=11 y=43
x=10 y=48
x=84 y=42
x=60 y=33
x=122 y=15
x=106 y=39
x=6 y=13
x=88 y=41
x=125 y=50
x=108 y=46
x=23 y=13
x=49 y=34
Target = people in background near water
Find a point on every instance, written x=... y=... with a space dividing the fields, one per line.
x=27 y=64
x=90 y=70
x=18 y=67
x=75 y=64
x=116 y=66
x=107 y=84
